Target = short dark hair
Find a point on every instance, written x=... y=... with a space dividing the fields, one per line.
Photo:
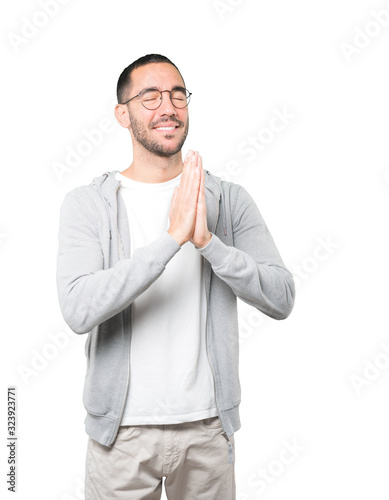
x=125 y=78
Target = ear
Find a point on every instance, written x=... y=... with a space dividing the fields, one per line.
x=122 y=115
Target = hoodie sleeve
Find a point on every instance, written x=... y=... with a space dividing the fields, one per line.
x=89 y=294
x=253 y=267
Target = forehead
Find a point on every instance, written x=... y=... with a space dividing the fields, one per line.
x=163 y=76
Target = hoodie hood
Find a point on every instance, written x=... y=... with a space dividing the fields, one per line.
x=107 y=185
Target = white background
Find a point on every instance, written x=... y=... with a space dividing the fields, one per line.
x=321 y=184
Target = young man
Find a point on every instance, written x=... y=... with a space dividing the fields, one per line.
x=151 y=261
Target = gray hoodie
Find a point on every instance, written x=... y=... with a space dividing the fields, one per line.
x=97 y=282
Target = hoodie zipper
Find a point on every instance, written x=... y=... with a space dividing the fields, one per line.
x=224 y=433
x=126 y=321
x=105 y=201
x=128 y=374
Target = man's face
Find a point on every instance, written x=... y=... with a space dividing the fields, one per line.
x=145 y=123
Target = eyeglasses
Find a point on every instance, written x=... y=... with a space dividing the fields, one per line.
x=152 y=98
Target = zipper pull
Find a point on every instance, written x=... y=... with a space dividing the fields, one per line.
x=230 y=450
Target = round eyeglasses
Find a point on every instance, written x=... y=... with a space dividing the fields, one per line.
x=152 y=98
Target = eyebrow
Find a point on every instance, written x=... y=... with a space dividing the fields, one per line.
x=176 y=87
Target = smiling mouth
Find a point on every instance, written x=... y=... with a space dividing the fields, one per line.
x=166 y=128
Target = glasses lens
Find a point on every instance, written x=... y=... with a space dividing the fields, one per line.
x=180 y=98
x=151 y=99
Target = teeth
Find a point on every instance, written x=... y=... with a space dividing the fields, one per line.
x=166 y=128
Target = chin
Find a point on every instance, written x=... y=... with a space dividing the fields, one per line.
x=167 y=154
x=170 y=150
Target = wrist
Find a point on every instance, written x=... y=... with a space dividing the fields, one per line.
x=178 y=239
x=205 y=243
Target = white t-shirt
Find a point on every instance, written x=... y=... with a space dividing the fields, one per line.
x=170 y=377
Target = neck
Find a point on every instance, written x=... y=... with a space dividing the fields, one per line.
x=149 y=167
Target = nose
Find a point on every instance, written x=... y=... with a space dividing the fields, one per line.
x=166 y=107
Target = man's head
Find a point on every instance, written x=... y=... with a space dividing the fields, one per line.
x=153 y=71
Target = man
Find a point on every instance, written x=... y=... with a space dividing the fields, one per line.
x=151 y=261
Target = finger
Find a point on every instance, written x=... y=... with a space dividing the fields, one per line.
x=190 y=180
x=186 y=169
x=193 y=187
x=193 y=172
x=200 y=162
x=202 y=182
x=174 y=197
x=172 y=204
x=189 y=154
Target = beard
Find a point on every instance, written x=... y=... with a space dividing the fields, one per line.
x=142 y=135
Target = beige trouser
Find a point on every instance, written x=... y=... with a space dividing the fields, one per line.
x=192 y=456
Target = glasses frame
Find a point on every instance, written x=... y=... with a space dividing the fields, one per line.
x=142 y=92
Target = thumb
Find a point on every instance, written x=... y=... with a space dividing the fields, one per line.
x=174 y=197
